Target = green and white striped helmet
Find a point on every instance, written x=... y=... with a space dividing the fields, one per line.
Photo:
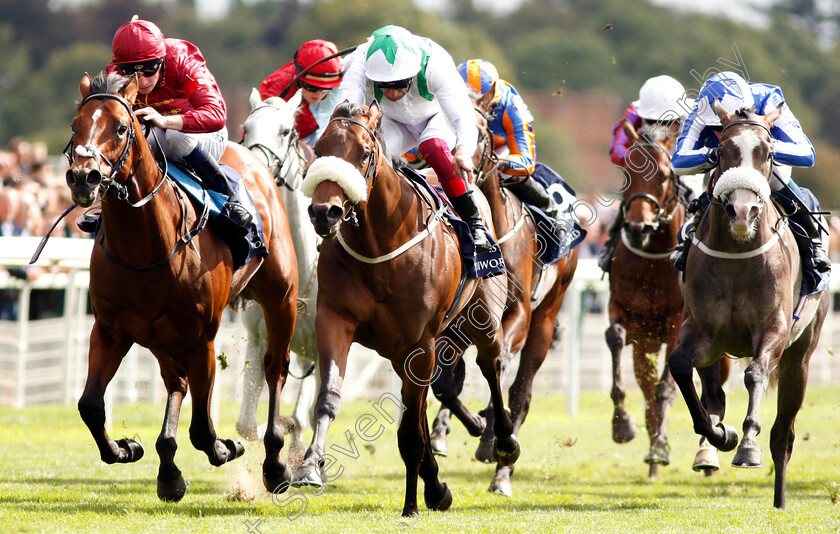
x=393 y=54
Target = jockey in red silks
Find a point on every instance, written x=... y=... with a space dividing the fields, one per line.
x=424 y=104
x=179 y=98
x=662 y=99
x=318 y=100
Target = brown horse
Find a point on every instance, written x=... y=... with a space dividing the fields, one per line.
x=387 y=282
x=535 y=293
x=171 y=304
x=742 y=296
x=645 y=305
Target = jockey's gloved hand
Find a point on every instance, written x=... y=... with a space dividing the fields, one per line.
x=712 y=156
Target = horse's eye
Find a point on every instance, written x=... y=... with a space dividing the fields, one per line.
x=366 y=155
x=122 y=129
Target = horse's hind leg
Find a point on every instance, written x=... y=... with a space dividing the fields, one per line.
x=714 y=402
x=201 y=373
x=623 y=427
x=104 y=358
x=253 y=376
x=450 y=380
x=170 y=482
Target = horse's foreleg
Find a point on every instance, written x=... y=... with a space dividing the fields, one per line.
x=681 y=363
x=335 y=335
x=413 y=434
x=201 y=373
x=302 y=415
x=645 y=356
x=623 y=427
x=253 y=376
x=104 y=358
x=756 y=379
x=170 y=482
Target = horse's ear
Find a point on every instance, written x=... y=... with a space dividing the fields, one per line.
x=254 y=98
x=84 y=86
x=773 y=116
x=375 y=113
x=630 y=132
x=130 y=91
x=720 y=111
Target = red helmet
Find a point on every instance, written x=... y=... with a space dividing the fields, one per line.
x=136 y=41
x=325 y=75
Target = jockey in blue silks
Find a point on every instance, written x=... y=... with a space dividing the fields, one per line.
x=697 y=149
x=512 y=126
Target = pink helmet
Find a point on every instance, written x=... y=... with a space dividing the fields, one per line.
x=138 y=41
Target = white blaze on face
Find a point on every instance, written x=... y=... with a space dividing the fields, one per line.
x=95 y=128
x=747 y=141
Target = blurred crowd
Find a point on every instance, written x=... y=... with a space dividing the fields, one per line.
x=32 y=196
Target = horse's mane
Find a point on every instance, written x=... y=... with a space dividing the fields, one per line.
x=745 y=112
x=654 y=131
x=102 y=83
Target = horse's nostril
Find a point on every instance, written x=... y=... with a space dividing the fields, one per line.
x=70 y=177
x=334 y=214
x=93 y=177
x=311 y=211
x=730 y=211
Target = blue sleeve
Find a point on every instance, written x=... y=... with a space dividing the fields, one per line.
x=692 y=153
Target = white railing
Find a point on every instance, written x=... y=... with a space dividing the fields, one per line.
x=46 y=360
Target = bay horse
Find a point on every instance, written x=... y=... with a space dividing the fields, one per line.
x=172 y=304
x=269 y=132
x=389 y=280
x=742 y=296
x=535 y=295
x=645 y=305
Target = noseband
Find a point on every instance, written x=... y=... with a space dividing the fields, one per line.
x=119 y=190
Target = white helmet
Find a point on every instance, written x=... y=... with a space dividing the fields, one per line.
x=393 y=54
x=730 y=89
x=660 y=97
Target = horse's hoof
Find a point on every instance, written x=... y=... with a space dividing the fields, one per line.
x=623 y=427
x=173 y=490
x=484 y=452
x=658 y=454
x=443 y=503
x=277 y=483
x=307 y=476
x=235 y=448
x=747 y=457
x=501 y=487
x=706 y=459
x=439 y=447
x=730 y=438
x=134 y=450
x=509 y=454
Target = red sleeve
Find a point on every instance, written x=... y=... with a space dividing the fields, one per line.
x=208 y=112
x=277 y=81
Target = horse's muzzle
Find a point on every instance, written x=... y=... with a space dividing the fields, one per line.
x=83 y=184
x=638 y=233
x=325 y=218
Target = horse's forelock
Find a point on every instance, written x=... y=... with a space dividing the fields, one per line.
x=112 y=83
x=654 y=131
x=349 y=110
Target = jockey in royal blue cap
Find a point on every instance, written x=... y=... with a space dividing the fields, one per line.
x=697 y=148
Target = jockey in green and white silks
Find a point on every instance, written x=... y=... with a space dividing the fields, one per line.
x=424 y=104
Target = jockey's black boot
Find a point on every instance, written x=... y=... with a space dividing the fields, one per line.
x=696 y=209
x=532 y=192
x=208 y=169
x=465 y=207
x=820 y=260
x=607 y=251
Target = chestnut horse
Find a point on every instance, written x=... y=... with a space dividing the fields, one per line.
x=535 y=293
x=742 y=296
x=158 y=280
x=390 y=281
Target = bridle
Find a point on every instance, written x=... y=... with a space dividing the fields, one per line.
x=370 y=171
x=663 y=216
x=109 y=183
x=276 y=163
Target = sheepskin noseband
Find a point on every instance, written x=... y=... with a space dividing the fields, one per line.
x=331 y=168
x=742 y=178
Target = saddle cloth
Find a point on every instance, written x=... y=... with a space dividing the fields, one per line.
x=555 y=240
x=243 y=249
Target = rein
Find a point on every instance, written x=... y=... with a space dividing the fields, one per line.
x=274 y=160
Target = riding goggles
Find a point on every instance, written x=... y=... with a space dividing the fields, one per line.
x=396 y=84
x=311 y=88
x=146 y=68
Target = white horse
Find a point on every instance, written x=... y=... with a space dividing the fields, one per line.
x=270 y=134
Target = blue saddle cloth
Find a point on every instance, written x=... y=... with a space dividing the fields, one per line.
x=813 y=281
x=482 y=265
x=555 y=240
x=243 y=249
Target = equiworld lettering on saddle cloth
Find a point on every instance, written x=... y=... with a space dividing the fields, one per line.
x=554 y=242
x=482 y=265
x=242 y=250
